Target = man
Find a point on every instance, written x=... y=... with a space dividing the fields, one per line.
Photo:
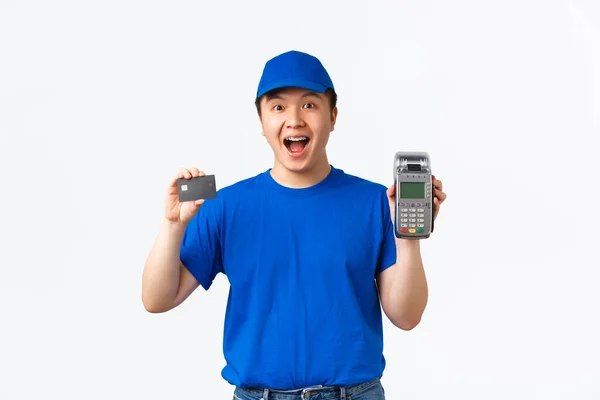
x=309 y=252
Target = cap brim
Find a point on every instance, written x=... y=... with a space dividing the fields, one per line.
x=308 y=85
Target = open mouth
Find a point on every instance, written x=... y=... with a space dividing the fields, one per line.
x=296 y=145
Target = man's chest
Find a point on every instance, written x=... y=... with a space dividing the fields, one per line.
x=296 y=244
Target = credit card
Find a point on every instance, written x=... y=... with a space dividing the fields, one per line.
x=201 y=187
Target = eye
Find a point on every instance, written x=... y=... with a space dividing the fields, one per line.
x=277 y=107
x=309 y=105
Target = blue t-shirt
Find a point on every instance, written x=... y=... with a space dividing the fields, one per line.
x=303 y=307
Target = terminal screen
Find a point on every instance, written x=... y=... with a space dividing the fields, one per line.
x=412 y=190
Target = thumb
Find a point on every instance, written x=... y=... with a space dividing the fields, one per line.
x=391 y=192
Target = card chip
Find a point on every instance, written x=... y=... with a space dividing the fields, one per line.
x=184 y=187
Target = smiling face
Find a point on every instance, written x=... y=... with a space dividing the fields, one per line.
x=297 y=123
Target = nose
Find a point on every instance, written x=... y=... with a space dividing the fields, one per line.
x=294 y=119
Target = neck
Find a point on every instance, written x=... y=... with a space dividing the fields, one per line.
x=301 y=179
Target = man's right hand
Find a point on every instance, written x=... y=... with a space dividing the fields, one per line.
x=176 y=211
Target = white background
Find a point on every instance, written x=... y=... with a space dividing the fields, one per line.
x=102 y=102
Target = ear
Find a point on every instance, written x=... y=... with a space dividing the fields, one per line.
x=334 y=114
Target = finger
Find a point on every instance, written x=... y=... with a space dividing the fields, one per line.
x=440 y=195
x=198 y=203
x=196 y=172
x=173 y=182
x=185 y=173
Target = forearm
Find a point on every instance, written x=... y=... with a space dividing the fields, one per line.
x=160 y=280
x=408 y=290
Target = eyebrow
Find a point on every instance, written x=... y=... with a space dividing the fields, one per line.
x=308 y=94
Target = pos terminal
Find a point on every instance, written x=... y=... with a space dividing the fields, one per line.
x=413 y=217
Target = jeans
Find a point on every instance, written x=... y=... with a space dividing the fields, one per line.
x=372 y=390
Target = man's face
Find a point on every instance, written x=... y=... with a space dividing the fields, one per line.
x=297 y=123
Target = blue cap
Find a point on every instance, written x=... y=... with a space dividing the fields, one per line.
x=294 y=69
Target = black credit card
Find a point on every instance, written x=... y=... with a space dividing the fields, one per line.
x=201 y=187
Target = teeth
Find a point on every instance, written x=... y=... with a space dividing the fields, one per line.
x=296 y=139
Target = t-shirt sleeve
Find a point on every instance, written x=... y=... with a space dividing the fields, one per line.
x=387 y=250
x=200 y=250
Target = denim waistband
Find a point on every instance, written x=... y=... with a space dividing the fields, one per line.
x=327 y=392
